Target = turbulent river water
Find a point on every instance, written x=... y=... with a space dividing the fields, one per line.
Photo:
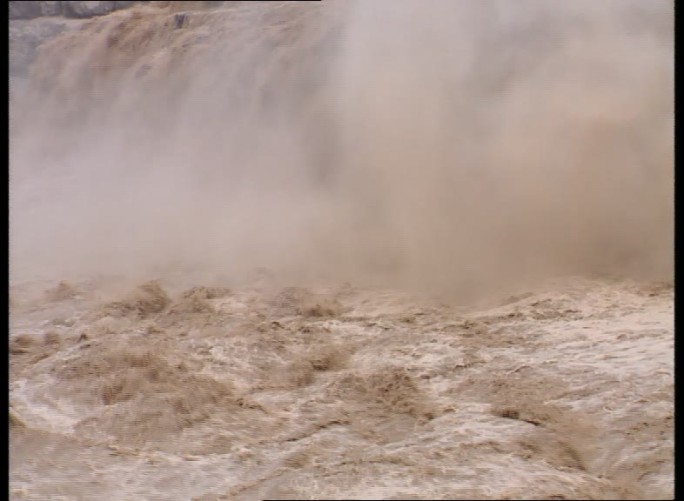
x=362 y=249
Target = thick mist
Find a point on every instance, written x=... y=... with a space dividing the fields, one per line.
x=436 y=144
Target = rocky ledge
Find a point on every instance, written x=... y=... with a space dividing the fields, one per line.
x=75 y=10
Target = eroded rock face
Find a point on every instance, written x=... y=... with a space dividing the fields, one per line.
x=34 y=23
x=79 y=10
x=26 y=35
x=51 y=8
x=24 y=10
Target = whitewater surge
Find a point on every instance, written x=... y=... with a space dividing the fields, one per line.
x=343 y=250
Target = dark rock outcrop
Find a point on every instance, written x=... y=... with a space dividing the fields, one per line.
x=81 y=10
x=31 y=10
x=26 y=35
x=71 y=9
x=34 y=23
x=24 y=10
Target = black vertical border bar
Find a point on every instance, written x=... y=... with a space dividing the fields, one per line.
x=5 y=345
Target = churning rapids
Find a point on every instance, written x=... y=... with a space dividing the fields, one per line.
x=378 y=249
